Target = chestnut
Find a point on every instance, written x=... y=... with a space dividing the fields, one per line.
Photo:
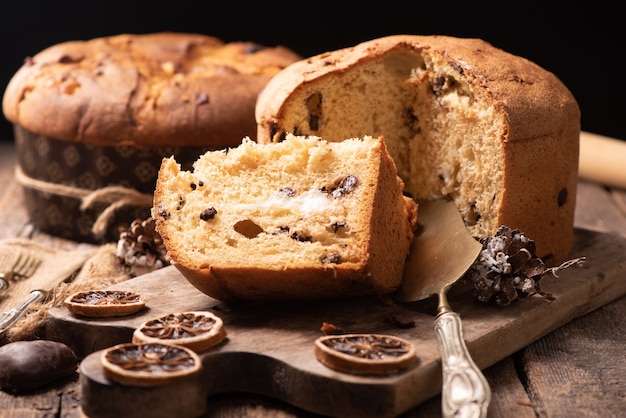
x=30 y=364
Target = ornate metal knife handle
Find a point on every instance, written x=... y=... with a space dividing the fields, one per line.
x=9 y=318
x=465 y=391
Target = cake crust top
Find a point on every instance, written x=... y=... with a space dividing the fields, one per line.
x=524 y=92
x=158 y=89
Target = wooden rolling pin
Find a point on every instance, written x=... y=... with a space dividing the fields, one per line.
x=602 y=159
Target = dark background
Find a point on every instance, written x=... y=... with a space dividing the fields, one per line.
x=582 y=45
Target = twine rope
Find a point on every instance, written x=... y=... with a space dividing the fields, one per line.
x=117 y=197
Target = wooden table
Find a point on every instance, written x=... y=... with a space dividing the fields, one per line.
x=578 y=370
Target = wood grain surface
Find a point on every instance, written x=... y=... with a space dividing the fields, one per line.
x=269 y=350
x=576 y=370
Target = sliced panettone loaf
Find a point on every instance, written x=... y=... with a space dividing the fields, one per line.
x=301 y=219
x=461 y=118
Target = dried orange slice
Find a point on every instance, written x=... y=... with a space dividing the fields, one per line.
x=198 y=330
x=149 y=364
x=104 y=303
x=373 y=354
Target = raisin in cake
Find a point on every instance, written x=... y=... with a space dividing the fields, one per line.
x=461 y=118
x=301 y=219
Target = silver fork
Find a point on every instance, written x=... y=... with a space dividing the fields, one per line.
x=24 y=266
x=9 y=318
x=65 y=272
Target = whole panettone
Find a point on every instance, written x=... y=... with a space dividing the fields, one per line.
x=461 y=118
x=94 y=118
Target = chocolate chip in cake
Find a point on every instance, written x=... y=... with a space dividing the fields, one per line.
x=66 y=59
x=209 y=213
x=282 y=230
x=335 y=226
x=562 y=198
x=302 y=237
x=437 y=85
x=331 y=258
x=248 y=228
x=181 y=202
x=441 y=84
x=287 y=191
x=473 y=216
x=162 y=212
x=346 y=185
x=456 y=67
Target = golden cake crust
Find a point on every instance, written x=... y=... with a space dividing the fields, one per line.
x=159 y=89
x=506 y=127
x=525 y=92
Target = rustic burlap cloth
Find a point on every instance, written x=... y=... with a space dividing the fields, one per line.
x=61 y=272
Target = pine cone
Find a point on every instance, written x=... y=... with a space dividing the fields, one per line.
x=508 y=268
x=141 y=249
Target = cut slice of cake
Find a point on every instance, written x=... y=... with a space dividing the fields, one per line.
x=300 y=219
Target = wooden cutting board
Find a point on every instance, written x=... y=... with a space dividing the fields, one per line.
x=269 y=348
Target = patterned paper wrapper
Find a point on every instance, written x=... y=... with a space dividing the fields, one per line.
x=58 y=176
